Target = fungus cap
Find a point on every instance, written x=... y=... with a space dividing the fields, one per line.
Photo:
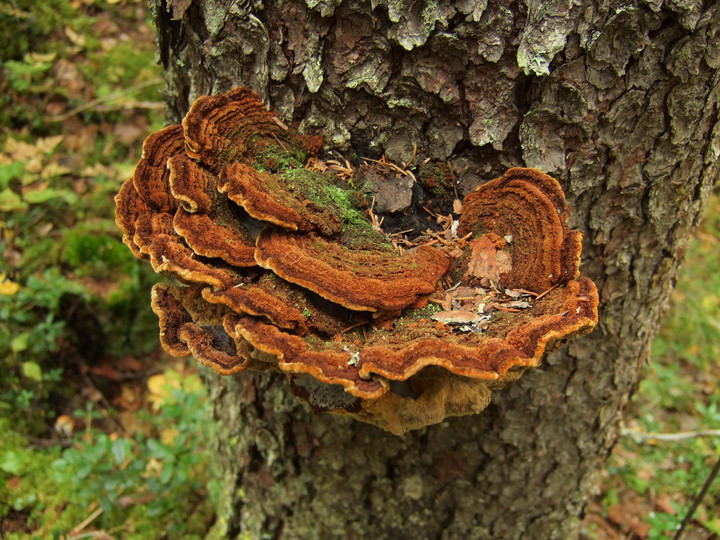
x=358 y=279
x=528 y=207
x=278 y=268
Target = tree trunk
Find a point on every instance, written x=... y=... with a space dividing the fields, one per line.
x=617 y=100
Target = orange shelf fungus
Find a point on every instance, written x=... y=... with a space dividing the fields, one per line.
x=274 y=199
x=528 y=208
x=281 y=266
x=358 y=279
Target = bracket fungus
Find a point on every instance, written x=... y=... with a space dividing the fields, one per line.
x=278 y=265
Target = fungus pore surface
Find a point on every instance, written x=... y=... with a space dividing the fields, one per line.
x=279 y=264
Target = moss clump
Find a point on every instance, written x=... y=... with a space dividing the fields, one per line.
x=424 y=313
x=325 y=191
x=437 y=179
x=278 y=159
x=322 y=191
x=358 y=232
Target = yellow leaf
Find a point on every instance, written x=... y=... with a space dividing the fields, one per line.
x=48 y=144
x=96 y=169
x=42 y=58
x=7 y=287
x=168 y=435
x=20 y=150
x=54 y=170
x=33 y=166
x=74 y=37
x=160 y=388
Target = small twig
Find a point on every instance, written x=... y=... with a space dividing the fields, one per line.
x=345 y=169
x=376 y=224
x=439 y=238
x=38 y=442
x=539 y=296
x=468 y=235
x=92 y=534
x=354 y=326
x=280 y=123
x=86 y=522
x=393 y=167
x=402 y=232
x=503 y=308
x=430 y=242
x=641 y=436
x=58 y=510
x=406 y=165
x=525 y=291
x=110 y=97
x=280 y=143
x=131 y=106
x=287 y=254
x=698 y=499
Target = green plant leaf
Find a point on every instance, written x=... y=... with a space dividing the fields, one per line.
x=10 y=171
x=44 y=195
x=118 y=450
x=19 y=343
x=32 y=370
x=11 y=201
x=167 y=473
x=13 y=462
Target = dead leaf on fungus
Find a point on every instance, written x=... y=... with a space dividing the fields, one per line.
x=457 y=316
x=488 y=260
x=278 y=267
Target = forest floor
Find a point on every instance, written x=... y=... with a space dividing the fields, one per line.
x=103 y=434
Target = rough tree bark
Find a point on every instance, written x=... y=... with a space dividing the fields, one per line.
x=617 y=99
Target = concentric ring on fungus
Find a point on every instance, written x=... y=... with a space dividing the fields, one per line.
x=279 y=268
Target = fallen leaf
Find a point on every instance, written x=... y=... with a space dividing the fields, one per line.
x=168 y=435
x=513 y=293
x=129 y=363
x=518 y=304
x=20 y=150
x=68 y=77
x=7 y=287
x=46 y=145
x=128 y=133
x=487 y=259
x=640 y=528
x=664 y=504
x=158 y=388
x=106 y=371
x=55 y=170
x=463 y=292
x=75 y=38
x=617 y=515
x=42 y=58
x=457 y=316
